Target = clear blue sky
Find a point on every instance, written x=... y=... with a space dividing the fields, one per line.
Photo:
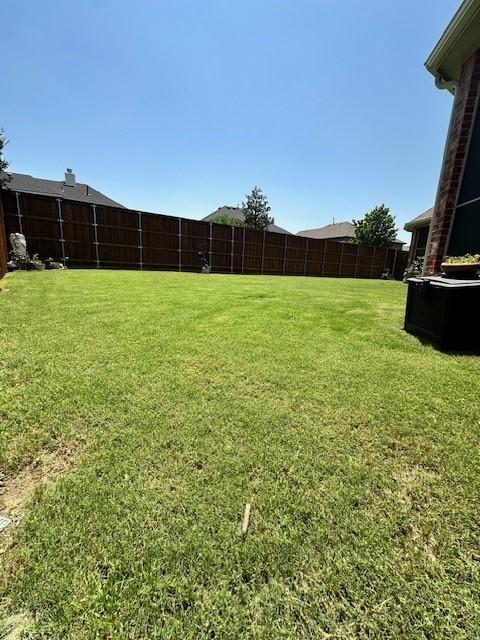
x=181 y=106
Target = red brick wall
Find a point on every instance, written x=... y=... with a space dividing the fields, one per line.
x=3 y=242
x=455 y=154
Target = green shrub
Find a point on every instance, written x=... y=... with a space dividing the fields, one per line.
x=415 y=269
x=468 y=258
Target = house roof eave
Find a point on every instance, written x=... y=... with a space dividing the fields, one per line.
x=411 y=226
x=458 y=42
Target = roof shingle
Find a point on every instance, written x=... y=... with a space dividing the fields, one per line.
x=422 y=220
x=330 y=231
x=335 y=231
x=237 y=213
x=25 y=183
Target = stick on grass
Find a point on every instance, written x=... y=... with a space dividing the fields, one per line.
x=246 y=519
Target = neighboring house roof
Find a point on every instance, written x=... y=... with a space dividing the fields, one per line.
x=237 y=213
x=25 y=183
x=330 y=231
x=423 y=220
x=336 y=231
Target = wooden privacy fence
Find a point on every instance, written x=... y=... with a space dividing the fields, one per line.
x=108 y=237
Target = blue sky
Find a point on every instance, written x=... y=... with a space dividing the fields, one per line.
x=182 y=106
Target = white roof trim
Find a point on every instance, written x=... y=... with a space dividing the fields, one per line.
x=452 y=34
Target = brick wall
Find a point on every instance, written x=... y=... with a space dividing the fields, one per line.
x=455 y=154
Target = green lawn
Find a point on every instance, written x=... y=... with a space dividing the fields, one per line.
x=157 y=404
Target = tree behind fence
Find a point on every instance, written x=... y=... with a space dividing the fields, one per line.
x=93 y=236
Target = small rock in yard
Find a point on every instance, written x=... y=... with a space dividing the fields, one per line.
x=4 y=522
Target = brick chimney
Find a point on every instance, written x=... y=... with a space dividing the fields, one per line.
x=69 y=178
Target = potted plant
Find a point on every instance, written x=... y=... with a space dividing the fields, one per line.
x=466 y=266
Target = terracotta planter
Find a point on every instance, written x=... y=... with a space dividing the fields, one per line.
x=465 y=270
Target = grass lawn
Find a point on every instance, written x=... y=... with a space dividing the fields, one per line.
x=140 y=411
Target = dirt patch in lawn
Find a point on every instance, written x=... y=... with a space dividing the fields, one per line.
x=413 y=493
x=16 y=626
x=17 y=490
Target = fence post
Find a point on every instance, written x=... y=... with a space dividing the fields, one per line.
x=210 y=247
x=95 y=235
x=285 y=254
x=324 y=255
x=243 y=250
x=60 y=220
x=140 y=240
x=263 y=250
x=179 y=244
x=305 y=262
x=373 y=260
x=3 y=241
x=341 y=259
x=232 y=252
x=19 y=213
x=394 y=263
x=385 y=261
x=356 y=261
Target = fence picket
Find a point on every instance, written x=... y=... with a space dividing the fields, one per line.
x=243 y=251
x=140 y=240
x=19 y=213
x=95 y=235
x=340 y=262
x=305 y=262
x=60 y=222
x=263 y=251
x=179 y=244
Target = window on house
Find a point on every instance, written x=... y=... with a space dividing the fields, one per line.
x=470 y=189
x=465 y=236
x=422 y=237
